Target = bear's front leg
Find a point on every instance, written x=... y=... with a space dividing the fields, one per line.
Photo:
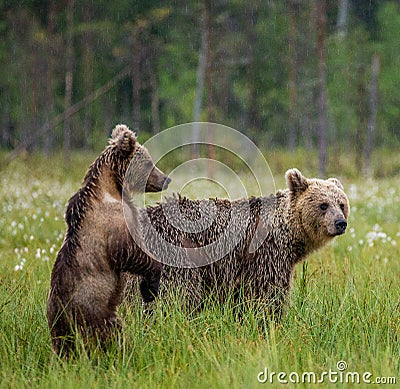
x=150 y=283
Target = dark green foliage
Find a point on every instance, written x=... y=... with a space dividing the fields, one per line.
x=250 y=69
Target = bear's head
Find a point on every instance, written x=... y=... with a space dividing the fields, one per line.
x=320 y=206
x=135 y=165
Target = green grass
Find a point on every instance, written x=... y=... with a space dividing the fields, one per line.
x=345 y=302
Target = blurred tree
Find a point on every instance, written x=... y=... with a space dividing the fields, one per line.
x=52 y=50
x=201 y=71
x=343 y=16
x=251 y=14
x=322 y=95
x=208 y=79
x=293 y=10
x=373 y=107
x=87 y=69
x=69 y=63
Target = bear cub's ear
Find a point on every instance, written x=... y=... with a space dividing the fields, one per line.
x=336 y=182
x=124 y=139
x=296 y=182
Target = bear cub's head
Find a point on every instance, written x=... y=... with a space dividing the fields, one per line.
x=135 y=165
x=321 y=206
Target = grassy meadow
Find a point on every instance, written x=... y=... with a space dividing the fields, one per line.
x=345 y=302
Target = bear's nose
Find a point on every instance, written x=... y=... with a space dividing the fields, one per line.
x=341 y=225
x=166 y=182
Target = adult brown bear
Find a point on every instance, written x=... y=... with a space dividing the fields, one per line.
x=246 y=247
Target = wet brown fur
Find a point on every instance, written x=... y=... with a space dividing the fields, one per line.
x=277 y=233
x=87 y=278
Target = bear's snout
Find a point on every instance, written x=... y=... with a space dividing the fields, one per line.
x=340 y=225
x=157 y=181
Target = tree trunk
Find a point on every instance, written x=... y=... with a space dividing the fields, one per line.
x=136 y=79
x=198 y=101
x=87 y=58
x=69 y=52
x=362 y=114
x=35 y=81
x=49 y=89
x=209 y=85
x=293 y=16
x=322 y=94
x=306 y=121
x=208 y=60
x=155 y=100
x=6 y=127
x=373 y=106
x=107 y=115
x=343 y=13
x=307 y=74
x=252 y=116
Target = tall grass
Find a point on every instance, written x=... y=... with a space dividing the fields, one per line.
x=345 y=302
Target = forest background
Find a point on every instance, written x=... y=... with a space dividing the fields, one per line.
x=314 y=83
x=318 y=75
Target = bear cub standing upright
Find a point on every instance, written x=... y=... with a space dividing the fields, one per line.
x=87 y=280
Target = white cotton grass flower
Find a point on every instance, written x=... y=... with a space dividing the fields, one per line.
x=21 y=265
x=377 y=235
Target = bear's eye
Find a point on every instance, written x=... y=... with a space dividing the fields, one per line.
x=342 y=207
x=324 y=206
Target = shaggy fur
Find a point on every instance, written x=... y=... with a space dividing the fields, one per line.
x=87 y=281
x=259 y=240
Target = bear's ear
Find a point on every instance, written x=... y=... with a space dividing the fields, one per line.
x=336 y=182
x=296 y=182
x=124 y=139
